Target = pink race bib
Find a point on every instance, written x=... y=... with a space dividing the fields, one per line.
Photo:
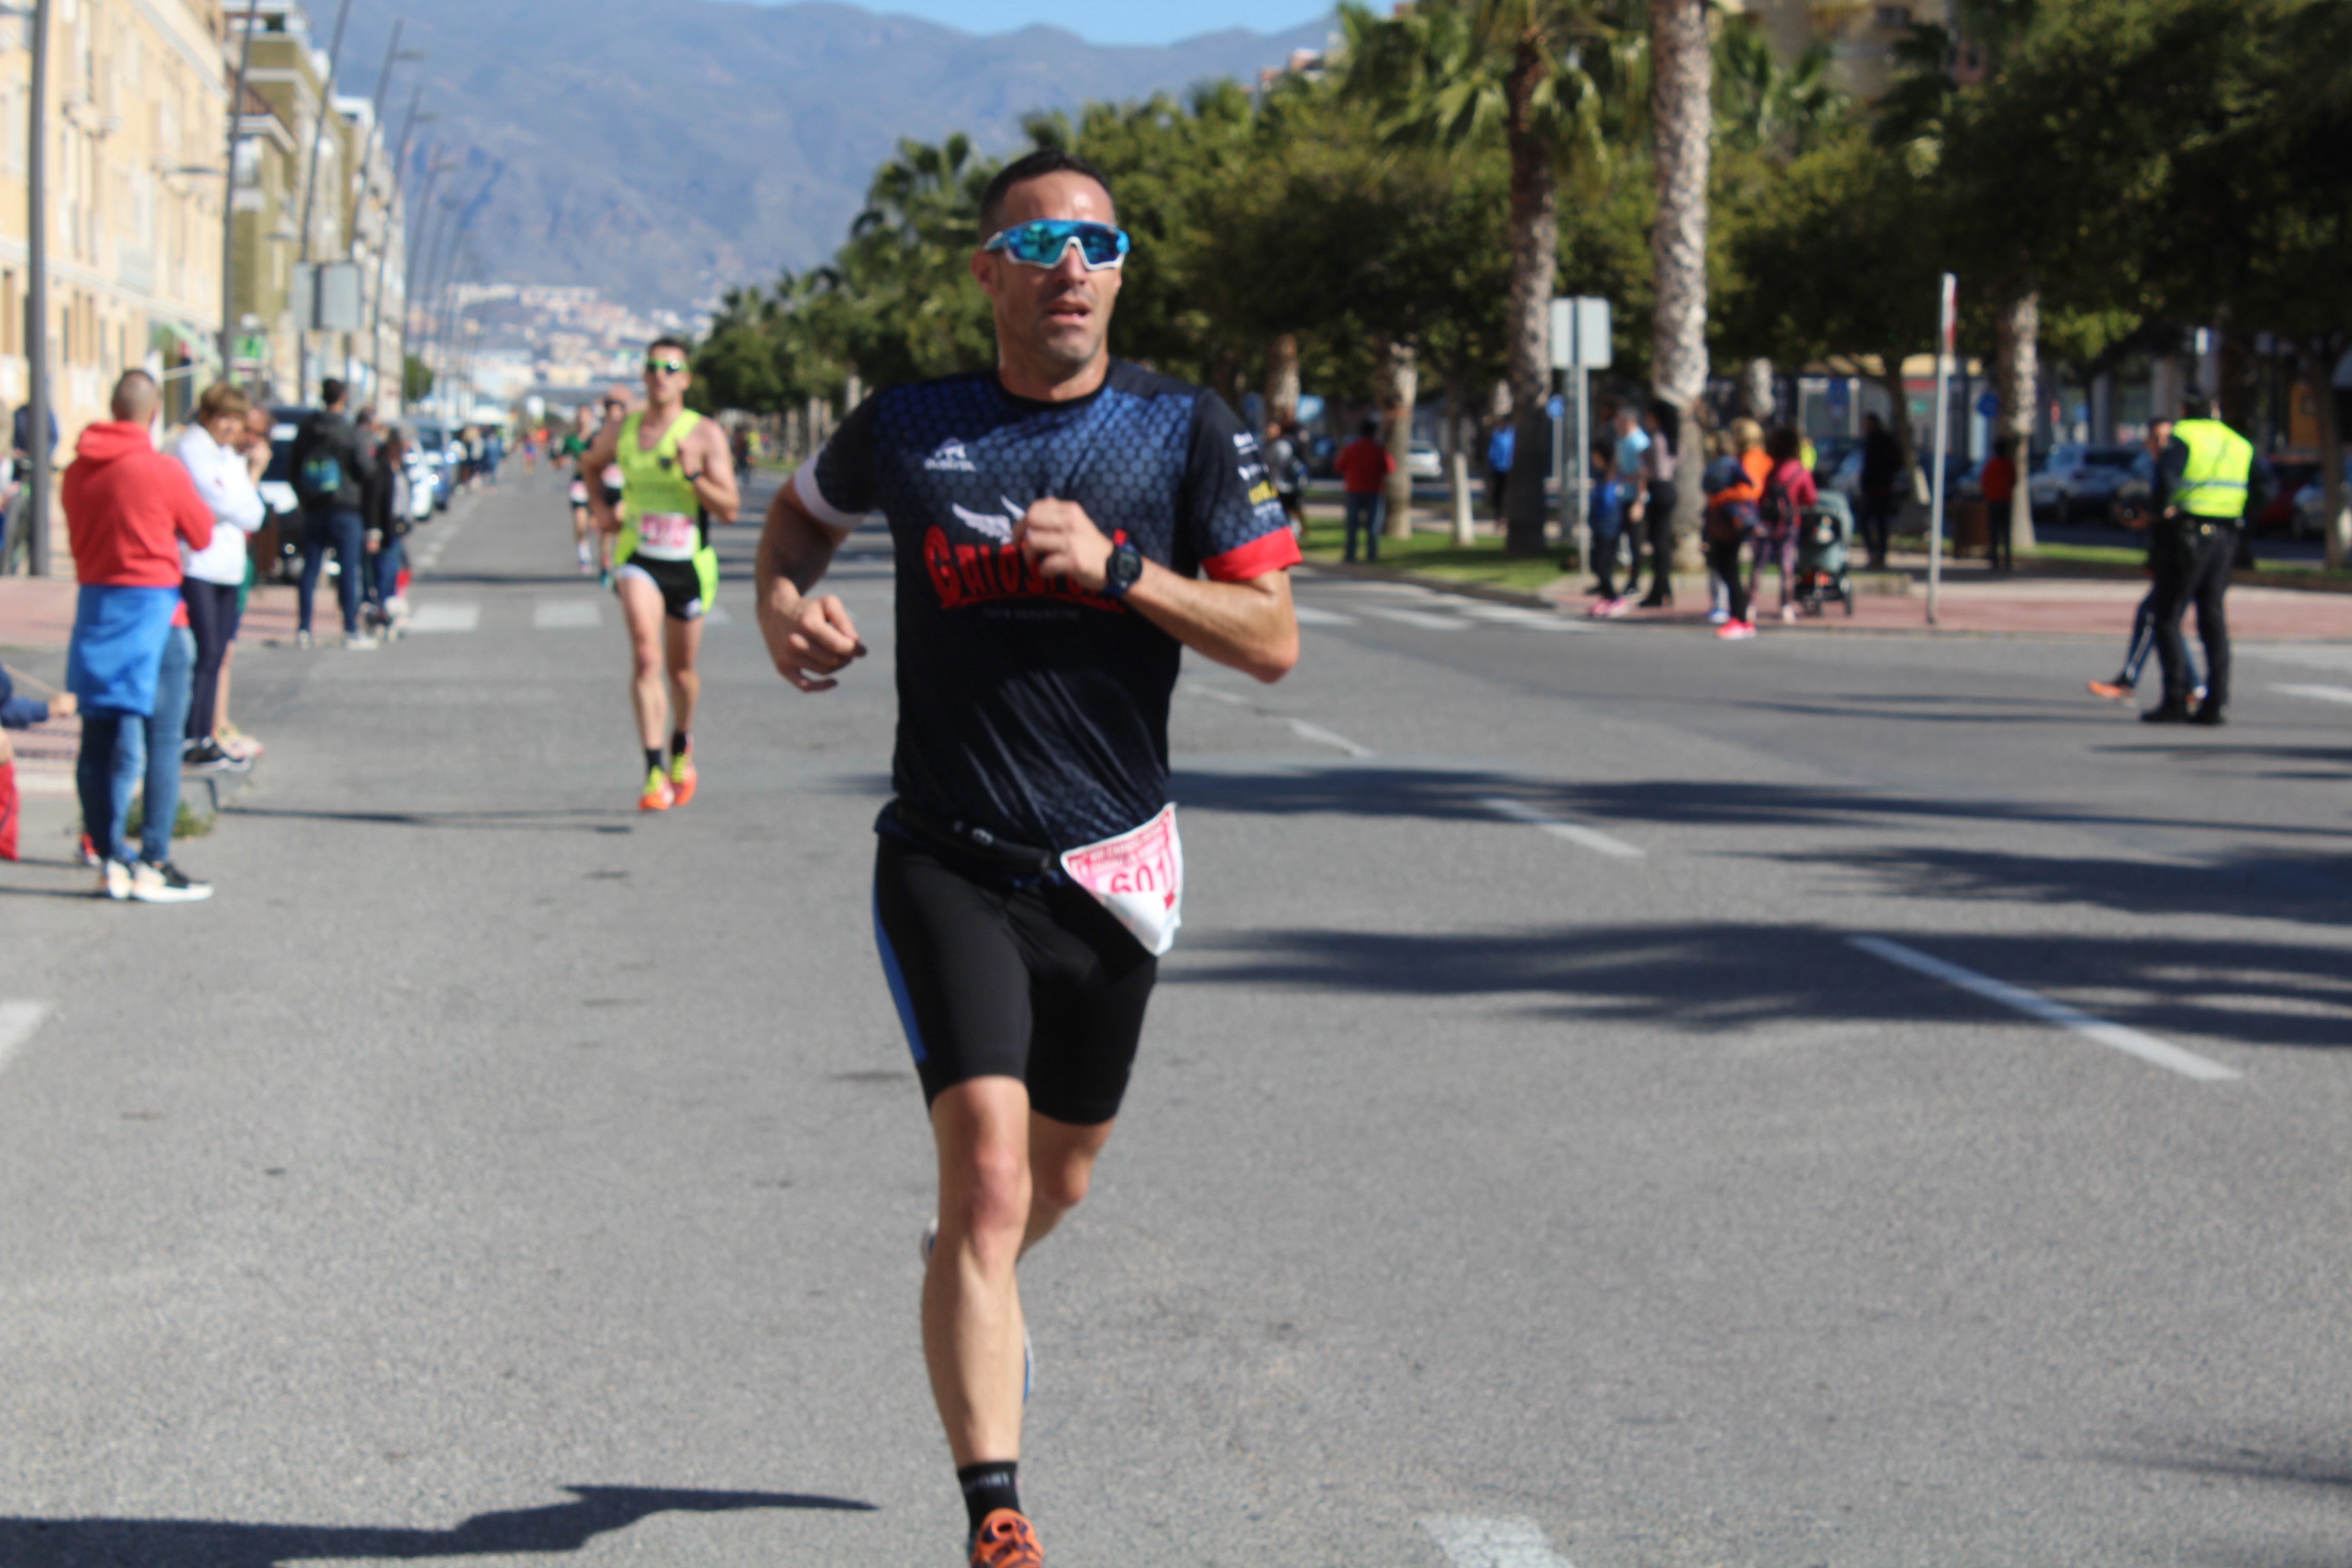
x=1138 y=877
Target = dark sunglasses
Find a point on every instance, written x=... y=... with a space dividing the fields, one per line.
x=1044 y=241
x=672 y=366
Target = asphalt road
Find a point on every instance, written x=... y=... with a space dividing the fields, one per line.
x=1619 y=1098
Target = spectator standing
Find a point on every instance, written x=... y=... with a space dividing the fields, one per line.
x=1882 y=473
x=2206 y=486
x=2143 y=632
x=1788 y=489
x=1365 y=465
x=388 y=522
x=1735 y=485
x=1629 y=457
x=1999 y=484
x=1287 y=471
x=128 y=509
x=331 y=469
x=1604 y=519
x=17 y=537
x=1501 y=447
x=1663 y=424
x=213 y=584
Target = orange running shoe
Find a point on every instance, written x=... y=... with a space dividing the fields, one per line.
x=658 y=795
x=1006 y=1541
x=681 y=778
x=2113 y=690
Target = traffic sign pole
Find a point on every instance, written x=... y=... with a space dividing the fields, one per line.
x=1947 y=330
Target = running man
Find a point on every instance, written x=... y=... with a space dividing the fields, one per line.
x=676 y=476
x=1050 y=524
x=570 y=453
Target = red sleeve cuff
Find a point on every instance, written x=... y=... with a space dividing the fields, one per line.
x=1275 y=551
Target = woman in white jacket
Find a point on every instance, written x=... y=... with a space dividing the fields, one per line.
x=215 y=575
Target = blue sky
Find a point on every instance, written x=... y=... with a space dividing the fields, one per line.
x=1112 y=21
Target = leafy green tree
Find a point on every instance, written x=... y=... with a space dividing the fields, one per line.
x=1540 y=74
x=415 y=380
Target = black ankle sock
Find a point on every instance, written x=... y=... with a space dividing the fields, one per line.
x=989 y=1487
x=680 y=742
x=653 y=758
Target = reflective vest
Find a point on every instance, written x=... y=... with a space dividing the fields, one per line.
x=2219 y=459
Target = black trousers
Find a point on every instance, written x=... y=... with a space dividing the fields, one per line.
x=1878 y=510
x=211 y=618
x=2193 y=568
x=1723 y=560
x=1659 y=521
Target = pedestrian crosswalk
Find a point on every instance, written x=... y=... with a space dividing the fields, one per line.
x=1425 y=610
x=1493 y=1543
x=566 y=615
x=440 y=617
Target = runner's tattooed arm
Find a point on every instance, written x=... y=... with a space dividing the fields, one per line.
x=811 y=639
x=1247 y=625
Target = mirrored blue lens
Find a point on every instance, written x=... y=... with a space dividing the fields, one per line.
x=1042 y=242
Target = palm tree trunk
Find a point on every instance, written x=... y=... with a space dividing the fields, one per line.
x=1535 y=262
x=1400 y=388
x=2336 y=519
x=1282 y=379
x=1681 y=74
x=2019 y=333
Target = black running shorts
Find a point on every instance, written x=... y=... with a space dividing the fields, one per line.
x=999 y=977
x=681 y=583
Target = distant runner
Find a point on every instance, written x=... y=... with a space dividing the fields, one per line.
x=1051 y=521
x=586 y=542
x=675 y=474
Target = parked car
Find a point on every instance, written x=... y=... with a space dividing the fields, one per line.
x=1421 y=461
x=424 y=482
x=2288 y=477
x=2076 y=478
x=2311 y=505
x=433 y=440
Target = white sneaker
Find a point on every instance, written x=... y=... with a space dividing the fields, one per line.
x=114 y=880
x=1717 y=617
x=165 y=884
x=360 y=641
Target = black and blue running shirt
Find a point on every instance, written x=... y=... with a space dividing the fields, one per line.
x=1026 y=705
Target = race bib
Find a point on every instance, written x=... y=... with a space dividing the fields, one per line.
x=667 y=536
x=580 y=492
x=1138 y=877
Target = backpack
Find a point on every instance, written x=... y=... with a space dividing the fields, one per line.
x=318 y=472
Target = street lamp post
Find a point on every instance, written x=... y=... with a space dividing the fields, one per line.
x=305 y=309
x=228 y=200
x=37 y=300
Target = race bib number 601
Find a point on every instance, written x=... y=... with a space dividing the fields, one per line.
x=1138 y=877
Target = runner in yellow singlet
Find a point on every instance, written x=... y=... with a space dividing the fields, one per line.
x=676 y=476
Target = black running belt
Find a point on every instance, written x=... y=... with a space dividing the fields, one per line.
x=966 y=838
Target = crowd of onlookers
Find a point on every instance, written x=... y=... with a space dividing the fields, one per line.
x=165 y=548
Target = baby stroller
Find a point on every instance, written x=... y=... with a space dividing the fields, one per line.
x=1825 y=548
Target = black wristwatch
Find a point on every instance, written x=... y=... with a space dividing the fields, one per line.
x=1126 y=564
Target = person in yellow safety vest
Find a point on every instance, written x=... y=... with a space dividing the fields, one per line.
x=676 y=475
x=2206 y=484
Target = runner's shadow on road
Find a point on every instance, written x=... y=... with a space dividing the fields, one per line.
x=210 y=1544
x=596 y=820
x=1707 y=976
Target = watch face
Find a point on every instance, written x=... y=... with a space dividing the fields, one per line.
x=1126 y=564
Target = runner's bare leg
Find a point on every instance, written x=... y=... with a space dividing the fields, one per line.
x=1061 y=1157
x=641 y=608
x=971 y=1304
x=682 y=640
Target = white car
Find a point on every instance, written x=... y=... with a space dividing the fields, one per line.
x=2079 y=478
x=2311 y=505
x=1421 y=461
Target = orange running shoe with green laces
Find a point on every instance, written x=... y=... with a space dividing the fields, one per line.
x=658 y=795
x=1006 y=1541
x=681 y=778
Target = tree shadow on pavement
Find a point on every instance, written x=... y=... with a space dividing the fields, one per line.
x=211 y=1543
x=2316 y=890
x=1392 y=789
x=1719 y=977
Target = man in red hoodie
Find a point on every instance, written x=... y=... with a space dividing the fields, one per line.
x=127 y=508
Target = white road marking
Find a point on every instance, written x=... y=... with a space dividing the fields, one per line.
x=2146 y=1048
x=1493 y=1543
x=1309 y=615
x=1425 y=621
x=1534 y=620
x=2320 y=693
x=1575 y=833
x=430 y=618
x=17 y=1022
x=716 y=615
x=564 y=614
x=1215 y=693
x=1322 y=737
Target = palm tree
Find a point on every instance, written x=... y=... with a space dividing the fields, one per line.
x=1682 y=69
x=1450 y=72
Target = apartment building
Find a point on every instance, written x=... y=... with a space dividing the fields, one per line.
x=1861 y=34
x=137 y=99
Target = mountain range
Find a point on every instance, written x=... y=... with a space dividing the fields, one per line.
x=662 y=150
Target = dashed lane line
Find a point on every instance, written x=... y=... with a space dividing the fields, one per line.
x=1311 y=615
x=433 y=617
x=2318 y=693
x=1322 y=737
x=1420 y=619
x=1575 y=833
x=17 y=1022
x=1493 y=1543
x=1533 y=620
x=566 y=615
x=2131 y=1042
